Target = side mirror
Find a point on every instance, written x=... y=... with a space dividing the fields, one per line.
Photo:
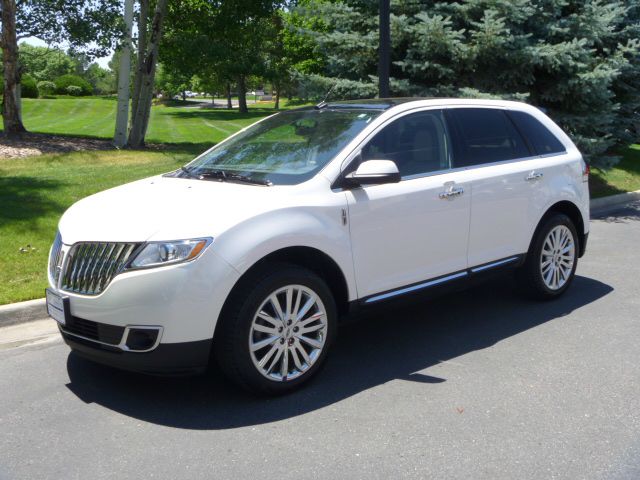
x=374 y=172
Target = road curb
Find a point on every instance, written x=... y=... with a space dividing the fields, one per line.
x=22 y=312
x=31 y=310
x=599 y=205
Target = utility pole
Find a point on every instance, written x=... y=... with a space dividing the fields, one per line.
x=122 y=114
x=384 y=50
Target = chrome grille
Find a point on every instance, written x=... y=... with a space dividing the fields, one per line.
x=90 y=266
x=55 y=259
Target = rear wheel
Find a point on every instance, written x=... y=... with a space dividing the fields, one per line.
x=276 y=329
x=552 y=259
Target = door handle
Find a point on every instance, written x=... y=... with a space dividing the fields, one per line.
x=452 y=192
x=533 y=176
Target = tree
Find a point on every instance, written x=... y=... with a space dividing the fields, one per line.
x=145 y=74
x=579 y=60
x=226 y=36
x=45 y=63
x=92 y=27
x=124 y=78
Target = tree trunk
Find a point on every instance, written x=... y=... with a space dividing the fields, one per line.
x=242 y=95
x=229 y=102
x=184 y=96
x=140 y=120
x=124 y=78
x=143 y=22
x=11 y=105
x=277 y=104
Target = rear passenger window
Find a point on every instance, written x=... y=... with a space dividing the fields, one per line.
x=484 y=135
x=541 y=139
x=417 y=143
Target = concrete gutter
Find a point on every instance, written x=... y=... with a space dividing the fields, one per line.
x=22 y=312
x=32 y=310
x=599 y=205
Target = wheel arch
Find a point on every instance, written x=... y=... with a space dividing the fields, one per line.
x=308 y=257
x=572 y=211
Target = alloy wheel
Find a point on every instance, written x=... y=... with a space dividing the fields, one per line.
x=288 y=333
x=557 y=257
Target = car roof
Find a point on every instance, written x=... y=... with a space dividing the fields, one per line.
x=382 y=104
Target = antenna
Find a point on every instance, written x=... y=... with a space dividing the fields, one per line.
x=323 y=103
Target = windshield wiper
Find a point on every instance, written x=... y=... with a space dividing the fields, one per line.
x=232 y=177
x=188 y=172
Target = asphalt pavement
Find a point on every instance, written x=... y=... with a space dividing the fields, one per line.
x=475 y=385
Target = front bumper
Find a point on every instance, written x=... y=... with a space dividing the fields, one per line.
x=184 y=300
x=188 y=358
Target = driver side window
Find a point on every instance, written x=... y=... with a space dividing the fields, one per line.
x=417 y=143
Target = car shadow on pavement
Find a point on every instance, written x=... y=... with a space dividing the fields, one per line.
x=378 y=348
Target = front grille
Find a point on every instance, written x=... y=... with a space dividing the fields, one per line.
x=90 y=266
x=55 y=259
x=110 y=334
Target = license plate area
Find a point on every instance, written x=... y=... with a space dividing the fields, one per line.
x=58 y=306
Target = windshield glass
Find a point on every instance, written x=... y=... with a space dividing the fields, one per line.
x=285 y=149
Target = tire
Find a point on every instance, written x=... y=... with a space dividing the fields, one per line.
x=252 y=330
x=537 y=278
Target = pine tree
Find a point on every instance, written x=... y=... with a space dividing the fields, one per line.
x=579 y=60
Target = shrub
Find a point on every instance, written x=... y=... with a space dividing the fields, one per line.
x=316 y=87
x=28 y=86
x=74 y=90
x=46 y=88
x=72 y=80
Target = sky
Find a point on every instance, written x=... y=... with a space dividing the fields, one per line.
x=103 y=62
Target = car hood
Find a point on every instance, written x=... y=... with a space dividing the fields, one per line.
x=165 y=208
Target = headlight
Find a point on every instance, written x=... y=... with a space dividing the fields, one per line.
x=156 y=254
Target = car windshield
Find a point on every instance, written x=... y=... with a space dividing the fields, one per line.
x=285 y=149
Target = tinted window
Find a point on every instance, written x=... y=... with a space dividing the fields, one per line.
x=542 y=140
x=417 y=143
x=484 y=135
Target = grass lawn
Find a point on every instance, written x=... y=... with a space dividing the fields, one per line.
x=172 y=123
x=624 y=177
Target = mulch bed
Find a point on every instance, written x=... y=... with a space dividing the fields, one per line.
x=29 y=144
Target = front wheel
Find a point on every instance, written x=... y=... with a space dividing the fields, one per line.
x=276 y=329
x=552 y=259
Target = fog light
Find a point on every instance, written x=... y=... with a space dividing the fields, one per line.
x=140 y=339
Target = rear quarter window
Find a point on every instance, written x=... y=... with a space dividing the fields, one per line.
x=541 y=139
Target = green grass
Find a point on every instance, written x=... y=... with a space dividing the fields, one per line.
x=175 y=122
x=623 y=177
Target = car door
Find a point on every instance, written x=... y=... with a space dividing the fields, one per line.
x=417 y=229
x=505 y=176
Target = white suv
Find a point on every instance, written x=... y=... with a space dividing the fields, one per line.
x=252 y=252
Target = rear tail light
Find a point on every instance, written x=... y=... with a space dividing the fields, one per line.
x=586 y=170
